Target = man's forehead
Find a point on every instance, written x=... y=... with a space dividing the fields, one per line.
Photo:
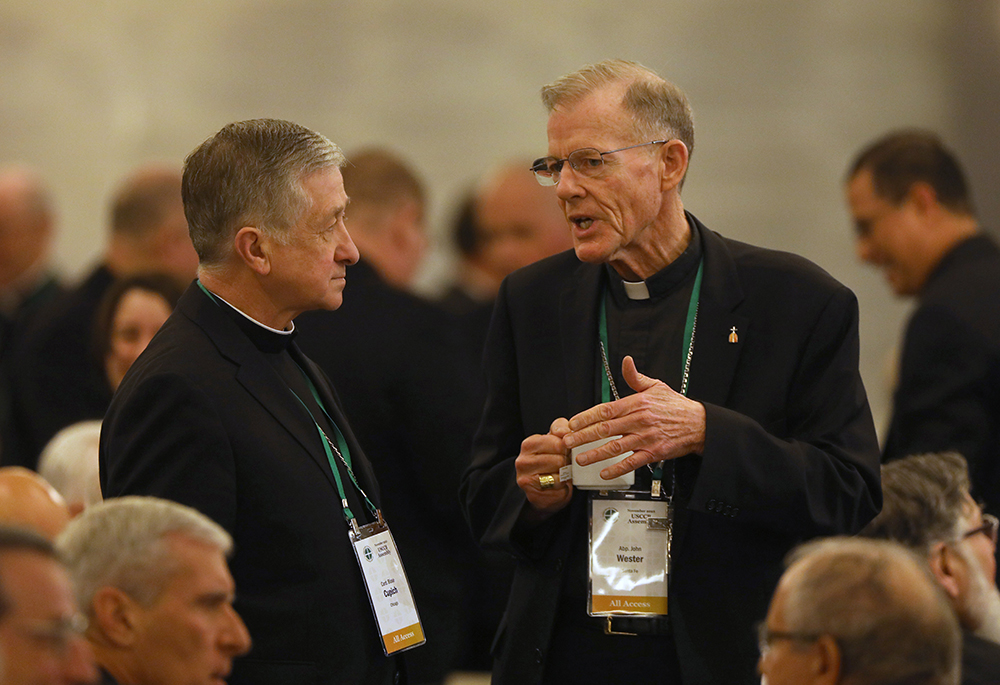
x=597 y=114
x=35 y=582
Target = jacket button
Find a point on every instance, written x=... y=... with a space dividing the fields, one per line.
x=736 y=510
x=538 y=655
x=729 y=510
x=558 y=564
x=711 y=505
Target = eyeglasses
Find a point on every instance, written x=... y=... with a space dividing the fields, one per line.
x=54 y=635
x=989 y=528
x=766 y=636
x=586 y=161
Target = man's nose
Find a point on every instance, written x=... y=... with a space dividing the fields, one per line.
x=569 y=183
x=235 y=639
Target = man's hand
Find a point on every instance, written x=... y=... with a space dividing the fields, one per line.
x=544 y=455
x=656 y=423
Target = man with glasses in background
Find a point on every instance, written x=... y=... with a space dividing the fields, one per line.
x=861 y=612
x=41 y=631
x=926 y=506
x=748 y=431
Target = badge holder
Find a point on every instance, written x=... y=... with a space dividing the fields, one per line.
x=629 y=554
x=388 y=588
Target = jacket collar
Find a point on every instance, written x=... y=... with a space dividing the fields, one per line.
x=260 y=380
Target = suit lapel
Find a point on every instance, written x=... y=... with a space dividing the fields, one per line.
x=721 y=330
x=359 y=464
x=255 y=374
x=578 y=314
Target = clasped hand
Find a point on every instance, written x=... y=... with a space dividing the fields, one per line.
x=656 y=423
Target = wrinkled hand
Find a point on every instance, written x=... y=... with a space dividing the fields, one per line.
x=656 y=423
x=544 y=455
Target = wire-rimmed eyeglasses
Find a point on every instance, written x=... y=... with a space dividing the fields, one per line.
x=766 y=636
x=586 y=161
x=989 y=528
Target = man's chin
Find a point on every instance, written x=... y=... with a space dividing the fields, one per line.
x=590 y=253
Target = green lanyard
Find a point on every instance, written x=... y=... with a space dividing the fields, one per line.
x=687 y=350
x=329 y=448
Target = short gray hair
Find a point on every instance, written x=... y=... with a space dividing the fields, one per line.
x=925 y=501
x=250 y=174
x=123 y=543
x=69 y=463
x=891 y=621
x=658 y=107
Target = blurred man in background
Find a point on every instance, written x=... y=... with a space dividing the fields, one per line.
x=55 y=380
x=915 y=220
x=27 y=229
x=927 y=507
x=508 y=222
x=27 y=281
x=41 y=631
x=857 y=612
x=405 y=382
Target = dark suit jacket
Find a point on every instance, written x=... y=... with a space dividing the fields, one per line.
x=790 y=450
x=948 y=395
x=202 y=418
x=980 y=661
x=55 y=379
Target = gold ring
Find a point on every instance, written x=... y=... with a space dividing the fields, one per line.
x=546 y=482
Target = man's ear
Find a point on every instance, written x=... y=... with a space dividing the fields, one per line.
x=253 y=247
x=827 y=663
x=944 y=565
x=674 y=157
x=115 y=616
x=923 y=197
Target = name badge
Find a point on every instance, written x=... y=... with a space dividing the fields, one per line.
x=388 y=589
x=629 y=554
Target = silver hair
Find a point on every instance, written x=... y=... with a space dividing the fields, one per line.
x=658 y=108
x=891 y=621
x=69 y=463
x=124 y=543
x=250 y=173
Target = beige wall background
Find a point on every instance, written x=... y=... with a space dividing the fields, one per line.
x=784 y=93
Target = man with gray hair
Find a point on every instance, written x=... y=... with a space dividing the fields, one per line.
x=926 y=506
x=224 y=413
x=858 y=612
x=748 y=430
x=151 y=576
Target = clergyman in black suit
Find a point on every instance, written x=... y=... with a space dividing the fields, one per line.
x=744 y=367
x=224 y=413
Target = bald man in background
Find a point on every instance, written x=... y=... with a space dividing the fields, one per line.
x=28 y=501
x=508 y=222
x=55 y=381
